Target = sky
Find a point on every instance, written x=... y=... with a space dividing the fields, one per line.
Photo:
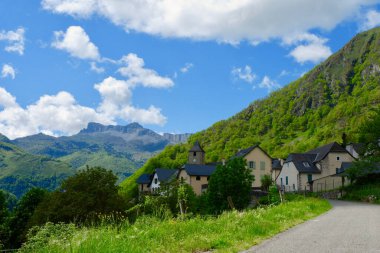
x=175 y=66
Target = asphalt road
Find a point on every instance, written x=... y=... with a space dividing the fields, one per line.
x=347 y=227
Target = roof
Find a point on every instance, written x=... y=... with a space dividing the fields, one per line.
x=196 y=148
x=199 y=169
x=244 y=152
x=276 y=164
x=322 y=152
x=358 y=147
x=303 y=162
x=144 y=179
x=165 y=175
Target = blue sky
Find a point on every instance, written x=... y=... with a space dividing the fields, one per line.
x=172 y=65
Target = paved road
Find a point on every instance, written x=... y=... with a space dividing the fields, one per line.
x=348 y=227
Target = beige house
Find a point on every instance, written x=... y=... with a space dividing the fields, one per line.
x=315 y=170
x=196 y=173
x=259 y=162
x=143 y=183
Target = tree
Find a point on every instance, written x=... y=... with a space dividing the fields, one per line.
x=230 y=183
x=19 y=221
x=266 y=181
x=83 y=196
x=4 y=215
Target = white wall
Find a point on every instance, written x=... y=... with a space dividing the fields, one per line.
x=290 y=171
x=155 y=186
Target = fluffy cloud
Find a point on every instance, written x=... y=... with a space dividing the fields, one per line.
x=76 y=42
x=268 y=84
x=309 y=47
x=244 y=74
x=371 y=20
x=15 y=39
x=116 y=103
x=8 y=70
x=50 y=114
x=138 y=75
x=222 y=20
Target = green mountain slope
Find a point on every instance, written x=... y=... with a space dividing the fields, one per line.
x=336 y=97
x=21 y=171
x=122 y=149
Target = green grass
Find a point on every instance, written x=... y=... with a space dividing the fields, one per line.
x=363 y=193
x=230 y=232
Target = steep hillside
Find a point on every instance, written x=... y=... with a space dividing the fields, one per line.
x=336 y=97
x=123 y=149
x=21 y=171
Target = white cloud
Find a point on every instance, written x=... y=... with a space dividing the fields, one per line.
x=371 y=20
x=221 y=20
x=76 y=42
x=186 y=68
x=138 y=75
x=313 y=52
x=15 y=39
x=116 y=103
x=244 y=74
x=96 y=69
x=8 y=70
x=268 y=84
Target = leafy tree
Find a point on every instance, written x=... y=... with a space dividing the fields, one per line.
x=186 y=198
x=231 y=181
x=266 y=181
x=370 y=134
x=4 y=215
x=361 y=169
x=82 y=197
x=19 y=221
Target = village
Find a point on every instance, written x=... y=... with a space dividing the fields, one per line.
x=318 y=170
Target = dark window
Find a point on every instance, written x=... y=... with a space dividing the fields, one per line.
x=194 y=153
x=309 y=177
x=294 y=187
x=281 y=182
x=198 y=178
x=337 y=158
x=252 y=165
x=208 y=178
x=286 y=179
x=155 y=180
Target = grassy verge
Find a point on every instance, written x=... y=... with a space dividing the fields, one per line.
x=229 y=232
x=365 y=193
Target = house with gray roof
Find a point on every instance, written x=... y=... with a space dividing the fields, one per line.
x=161 y=176
x=144 y=183
x=314 y=170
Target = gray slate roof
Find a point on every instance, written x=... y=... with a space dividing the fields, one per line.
x=244 y=152
x=321 y=152
x=276 y=164
x=144 y=179
x=199 y=169
x=165 y=175
x=197 y=147
x=304 y=162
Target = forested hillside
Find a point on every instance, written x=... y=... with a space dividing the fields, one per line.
x=338 y=96
x=21 y=171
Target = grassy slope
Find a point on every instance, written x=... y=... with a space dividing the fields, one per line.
x=20 y=171
x=363 y=192
x=230 y=232
x=336 y=96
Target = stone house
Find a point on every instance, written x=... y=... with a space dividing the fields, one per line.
x=315 y=170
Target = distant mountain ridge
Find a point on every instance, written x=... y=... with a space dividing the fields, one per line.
x=123 y=149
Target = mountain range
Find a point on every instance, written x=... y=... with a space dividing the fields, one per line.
x=340 y=95
x=44 y=161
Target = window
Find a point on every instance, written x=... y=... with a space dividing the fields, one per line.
x=155 y=180
x=194 y=153
x=309 y=177
x=281 y=182
x=337 y=158
x=198 y=178
x=208 y=178
x=286 y=179
x=262 y=165
x=306 y=164
x=294 y=187
x=252 y=165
